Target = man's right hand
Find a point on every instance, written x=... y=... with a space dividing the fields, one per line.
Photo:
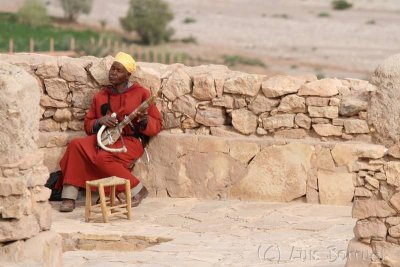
x=108 y=121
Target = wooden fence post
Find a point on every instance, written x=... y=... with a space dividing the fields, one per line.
x=51 y=44
x=31 y=45
x=72 y=44
x=11 y=45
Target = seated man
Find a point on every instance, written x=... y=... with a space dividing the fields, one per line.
x=84 y=160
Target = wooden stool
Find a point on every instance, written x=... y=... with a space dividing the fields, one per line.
x=107 y=206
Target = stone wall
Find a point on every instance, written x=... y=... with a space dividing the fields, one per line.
x=235 y=135
x=377 y=199
x=25 y=214
x=206 y=100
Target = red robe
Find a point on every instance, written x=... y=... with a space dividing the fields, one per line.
x=84 y=160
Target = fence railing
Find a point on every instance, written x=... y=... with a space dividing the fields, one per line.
x=102 y=47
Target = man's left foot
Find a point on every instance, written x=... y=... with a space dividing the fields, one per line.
x=137 y=199
x=67 y=205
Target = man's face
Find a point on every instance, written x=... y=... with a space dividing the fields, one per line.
x=118 y=74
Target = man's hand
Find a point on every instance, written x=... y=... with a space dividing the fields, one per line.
x=108 y=121
x=140 y=116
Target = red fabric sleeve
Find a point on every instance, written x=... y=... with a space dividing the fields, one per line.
x=154 y=120
x=90 y=117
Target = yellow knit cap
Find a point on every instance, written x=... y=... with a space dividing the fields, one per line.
x=127 y=61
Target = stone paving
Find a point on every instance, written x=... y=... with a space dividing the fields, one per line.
x=192 y=232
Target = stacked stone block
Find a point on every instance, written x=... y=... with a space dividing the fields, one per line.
x=25 y=214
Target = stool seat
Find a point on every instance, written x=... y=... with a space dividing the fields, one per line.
x=109 y=181
x=107 y=206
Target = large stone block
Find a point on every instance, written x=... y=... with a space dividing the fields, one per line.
x=204 y=87
x=384 y=111
x=244 y=121
x=370 y=229
x=277 y=173
x=263 y=104
x=392 y=170
x=329 y=112
x=278 y=121
x=73 y=72
x=335 y=188
x=243 y=84
x=23 y=228
x=12 y=186
x=99 y=70
x=359 y=254
x=292 y=104
x=210 y=116
x=280 y=85
x=363 y=209
x=324 y=87
x=57 y=88
x=19 y=109
x=389 y=253
x=45 y=249
x=178 y=84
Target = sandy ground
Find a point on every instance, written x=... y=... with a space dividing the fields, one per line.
x=192 y=232
x=288 y=35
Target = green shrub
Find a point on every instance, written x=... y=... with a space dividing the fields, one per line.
x=149 y=19
x=190 y=39
x=341 y=4
x=235 y=59
x=34 y=13
x=188 y=20
x=73 y=8
x=324 y=15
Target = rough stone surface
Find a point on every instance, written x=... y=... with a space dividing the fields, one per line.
x=19 y=109
x=204 y=87
x=278 y=121
x=186 y=105
x=359 y=254
x=280 y=85
x=45 y=249
x=210 y=116
x=23 y=228
x=243 y=151
x=303 y=121
x=228 y=235
x=244 y=121
x=363 y=209
x=392 y=170
x=99 y=70
x=178 y=84
x=352 y=106
x=384 y=110
x=244 y=84
x=263 y=104
x=370 y=229
x=292 y=104
x=57 y=88
x=324 y=87
x=73 y=72
x=48 y=69
x=335 y=188
x=355 y=126
x=330 y=112
x=271 y=179
x=388 y=252
x=327 y=130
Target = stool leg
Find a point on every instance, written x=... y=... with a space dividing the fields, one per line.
x=103 y=203
x=128 y=199
x=88 y=203
x=112 y=198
